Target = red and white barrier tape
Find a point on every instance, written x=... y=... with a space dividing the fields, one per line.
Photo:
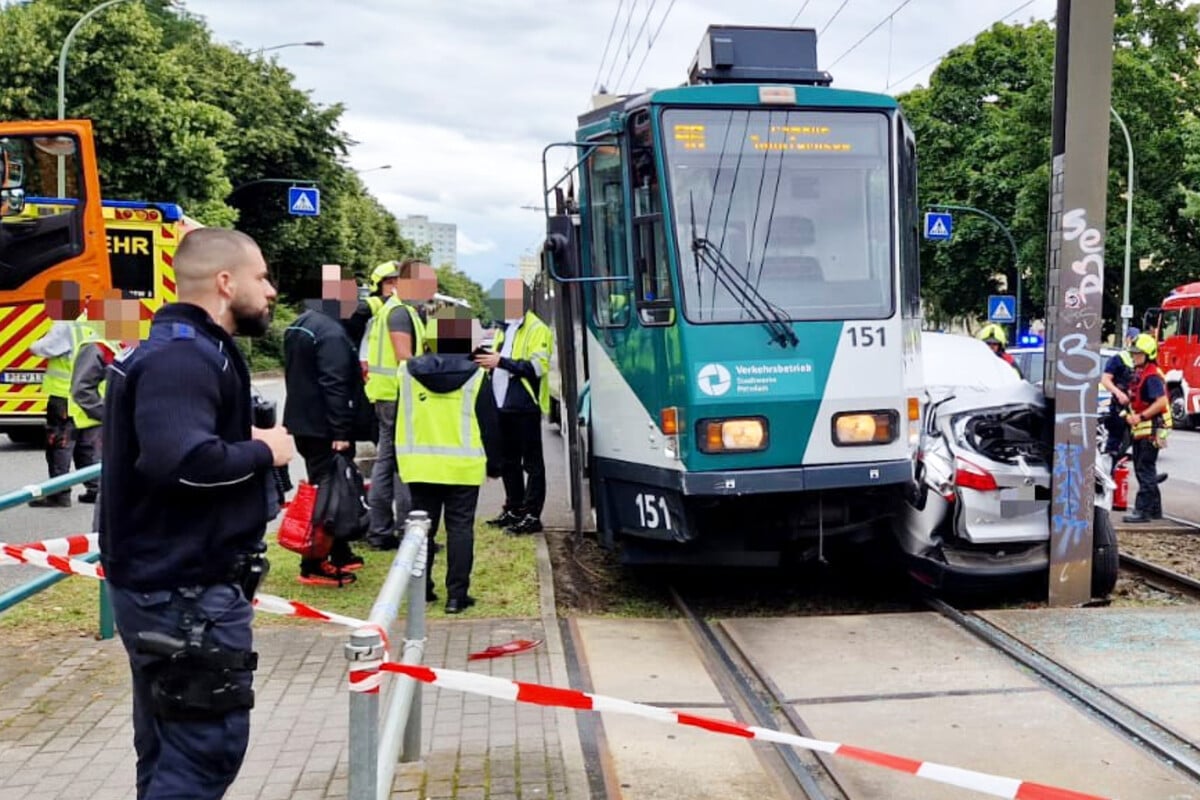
x=24 y=554
x=516 y=691
x=53 y=554
x=79 y=544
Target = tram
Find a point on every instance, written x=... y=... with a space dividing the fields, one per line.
x=731 y=268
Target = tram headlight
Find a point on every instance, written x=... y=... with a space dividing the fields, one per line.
x=865 y=427
x=733 y=435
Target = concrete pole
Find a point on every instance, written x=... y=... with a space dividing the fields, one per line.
x=62 y=79
x=1075 y=284
x=1125 y=320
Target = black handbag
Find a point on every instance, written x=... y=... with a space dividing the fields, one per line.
x=341 y=507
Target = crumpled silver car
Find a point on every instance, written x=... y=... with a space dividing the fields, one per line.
x=979 y=511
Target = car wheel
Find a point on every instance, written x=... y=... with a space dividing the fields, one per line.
x=1179 y=416
x=1106 y=560
x=29 y=436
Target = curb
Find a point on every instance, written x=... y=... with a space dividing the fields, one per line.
x=568 y=731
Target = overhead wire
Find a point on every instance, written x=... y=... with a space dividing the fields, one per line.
x=621 y=41
x=867 y=35
x=798 y=13
x=650 y=45
x=633 y=44
x=612 y=29
x=970 y=38
x=835 y=16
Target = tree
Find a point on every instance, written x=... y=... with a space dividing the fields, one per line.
x=183 y=119
x=983 y=133
x=456 y=283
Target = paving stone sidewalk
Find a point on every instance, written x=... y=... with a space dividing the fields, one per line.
x=65 y=728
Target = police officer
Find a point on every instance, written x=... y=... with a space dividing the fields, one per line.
x=446 y=445
x=394 y=335
x=183 y=512
x=1117 y=377
x=65 y=337
x=994 y=337
x=519 y=365
x=1148 y=418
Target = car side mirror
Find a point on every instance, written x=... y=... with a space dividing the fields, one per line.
x=12 y=202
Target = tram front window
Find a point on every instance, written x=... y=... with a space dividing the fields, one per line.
x=799 y=202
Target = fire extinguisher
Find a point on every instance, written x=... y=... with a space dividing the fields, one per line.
x=1121 y=478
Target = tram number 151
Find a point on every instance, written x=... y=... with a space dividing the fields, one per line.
x=653 y=511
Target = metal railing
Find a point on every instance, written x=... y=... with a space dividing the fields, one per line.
x=27 y=590
x=374 y=753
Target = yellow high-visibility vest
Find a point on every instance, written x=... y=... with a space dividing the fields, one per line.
x=74 y=410
x=57 y=381
x=381 y=356
x=533 y=342
x=437 y=434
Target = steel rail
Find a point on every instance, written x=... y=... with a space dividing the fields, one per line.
x=824 y=784
x=1172 y=581
x=1161 y=740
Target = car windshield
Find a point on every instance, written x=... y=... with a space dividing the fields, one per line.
x=798 y=202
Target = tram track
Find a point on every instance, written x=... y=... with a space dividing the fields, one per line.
x=752 y=693
x=1160 y=577
x=1161 y=740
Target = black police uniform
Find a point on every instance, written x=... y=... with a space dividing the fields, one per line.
x=1114 y=421
x=184 y=509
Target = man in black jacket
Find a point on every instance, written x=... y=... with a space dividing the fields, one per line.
x=183 y=512
x=326 y=409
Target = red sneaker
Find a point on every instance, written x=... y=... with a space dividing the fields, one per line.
x=327 y=575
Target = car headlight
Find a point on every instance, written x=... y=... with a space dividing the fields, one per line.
x=865 y=427
x=732 y=435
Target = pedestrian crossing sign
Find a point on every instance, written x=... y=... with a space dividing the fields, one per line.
x=1001 y=308
x=304 y=201
x=938 y=226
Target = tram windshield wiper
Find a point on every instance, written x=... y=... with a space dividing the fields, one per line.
x=744 y=292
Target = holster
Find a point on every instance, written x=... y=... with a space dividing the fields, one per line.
x=248 y=571
x=194 y=680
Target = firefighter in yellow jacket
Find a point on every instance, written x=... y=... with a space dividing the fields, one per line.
x=394 y=334
x=446 y=446
x=60 y=344
x=519 y=362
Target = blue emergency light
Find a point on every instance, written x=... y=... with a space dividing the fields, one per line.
x=1030 y=340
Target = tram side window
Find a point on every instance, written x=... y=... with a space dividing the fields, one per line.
x=34 y=238
x=607 y=246
x=655 y=299
x=910 y=230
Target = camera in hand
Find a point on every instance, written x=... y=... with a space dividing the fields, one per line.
x=264 y=416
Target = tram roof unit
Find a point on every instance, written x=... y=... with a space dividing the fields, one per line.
x=733 y=65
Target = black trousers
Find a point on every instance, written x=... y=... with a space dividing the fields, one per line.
x=59 y=437
x=1145 y=467
x=318 y=461
x=177 y=759
x=458 y=503
x=521 y=455
x=1117 y=428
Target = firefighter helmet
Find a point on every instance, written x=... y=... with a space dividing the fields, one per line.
x=1145 y=344
x=387 y=269
x=993 y=333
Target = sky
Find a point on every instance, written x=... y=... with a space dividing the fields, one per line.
x=460 y=98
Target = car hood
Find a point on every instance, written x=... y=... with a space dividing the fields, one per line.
x=966 y=398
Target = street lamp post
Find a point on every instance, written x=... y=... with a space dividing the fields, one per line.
x=62 y=76
x=262 y=50
x=1011 y=243
x=1125 y=320
x=372 y=169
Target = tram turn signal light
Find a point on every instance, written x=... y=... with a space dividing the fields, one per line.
x=865 y=427
x=733 y=435
x=669 y=421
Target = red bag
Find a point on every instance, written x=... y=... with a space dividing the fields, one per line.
x=297 y=531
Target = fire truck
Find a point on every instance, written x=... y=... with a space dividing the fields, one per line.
x=140 y=240
x=1177 y=324
x=43 y=252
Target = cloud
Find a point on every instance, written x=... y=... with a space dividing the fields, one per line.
x=469 y=247
x=461 y=98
